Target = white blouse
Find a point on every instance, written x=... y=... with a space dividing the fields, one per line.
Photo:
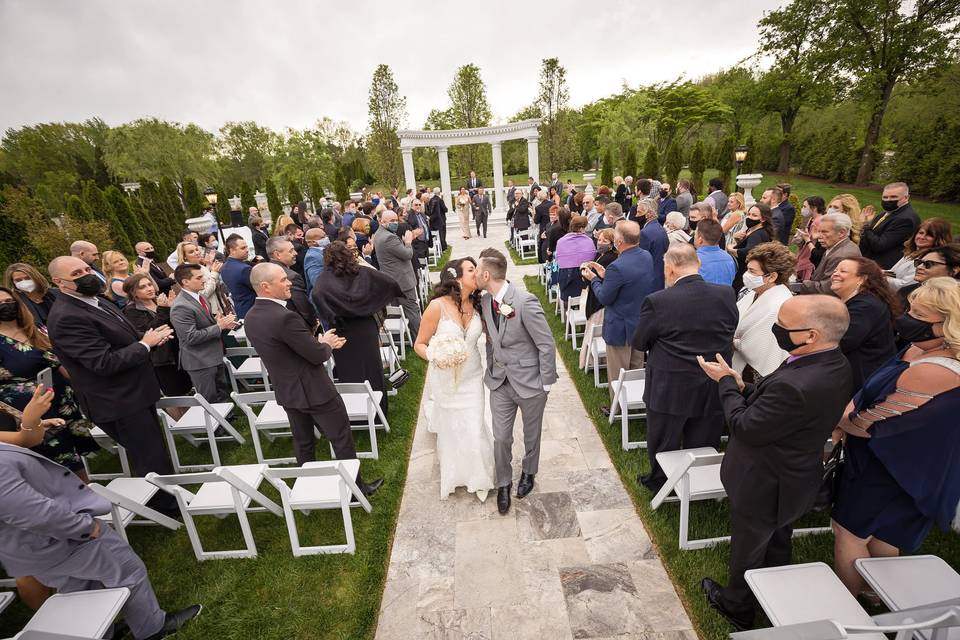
x=903 y=273
x=753 y=341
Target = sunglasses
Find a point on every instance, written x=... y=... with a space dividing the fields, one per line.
x=928 y=264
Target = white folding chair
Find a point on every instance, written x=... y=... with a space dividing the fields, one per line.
x=128 y=498
x=80 y=614
x=628 y=402
x=6 y=599
x=527 y=243
x=434 y=252
x=692 y=474
x=363 y=408
x=320 y=485
x=240 y=335
x=107 y=444
x=196 y=426
x=396 y=324
x=271 y=423
x=558 y=305
x=250 y=369
x=544 y=273
x=576 y=317
x=596 y=358
x=906 y=582
x=424 y=283
x=224 y=491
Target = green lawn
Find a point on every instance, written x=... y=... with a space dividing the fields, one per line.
x=444 y=258
x=516 y=256
x=707 y=519
x=277 y=596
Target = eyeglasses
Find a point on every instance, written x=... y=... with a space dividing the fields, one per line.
x=928 y=264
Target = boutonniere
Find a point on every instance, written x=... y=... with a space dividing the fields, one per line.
x=507 y=311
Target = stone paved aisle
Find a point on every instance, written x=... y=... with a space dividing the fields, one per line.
x=571 y=560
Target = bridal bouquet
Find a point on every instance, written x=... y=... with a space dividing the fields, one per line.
x=447 y=351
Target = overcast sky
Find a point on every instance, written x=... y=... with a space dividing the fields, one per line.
x=290 y=63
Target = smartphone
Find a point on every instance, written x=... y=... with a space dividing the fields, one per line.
x=238 y=325
x=45 y=378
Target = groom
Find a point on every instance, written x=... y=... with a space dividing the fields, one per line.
x=521 y=366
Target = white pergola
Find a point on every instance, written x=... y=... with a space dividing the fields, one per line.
x=494 y=136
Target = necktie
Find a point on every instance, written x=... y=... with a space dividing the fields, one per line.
x=496 y=313
x=203 y=303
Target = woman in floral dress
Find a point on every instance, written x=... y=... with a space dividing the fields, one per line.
x=24 y=353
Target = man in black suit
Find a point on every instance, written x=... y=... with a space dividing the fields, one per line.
x=146 y=253
x=689 y=318
x=773 y=198
x=282 y=252
x=882 y=237
x=772 y=468
x=294 y=359
x=109 y=364
x=473 y=183
x=437 y=215
x=259 y=234
x=541 y=218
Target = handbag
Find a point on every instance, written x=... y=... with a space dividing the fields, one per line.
x=831 y=476
x=399 y=377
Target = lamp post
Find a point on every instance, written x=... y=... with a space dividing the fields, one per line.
x=740 y=154
x=211 y=195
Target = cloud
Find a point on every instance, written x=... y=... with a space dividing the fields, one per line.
x=288 y=64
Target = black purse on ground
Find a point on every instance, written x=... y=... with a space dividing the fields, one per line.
x=832 y=468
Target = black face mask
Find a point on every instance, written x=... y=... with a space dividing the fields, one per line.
x=889 y=205
x=693 y=224
x=664 y=193
x=9 y=311
x=150 y=254
x=911 y=329
x=783 y=337
x=752 y=223
x=88 y=285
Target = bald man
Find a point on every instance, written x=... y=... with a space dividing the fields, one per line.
x=88 y=252
x=109 y=364
x=146 y=253
x=772 y=468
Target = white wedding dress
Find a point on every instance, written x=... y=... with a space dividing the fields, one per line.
x=457 y=414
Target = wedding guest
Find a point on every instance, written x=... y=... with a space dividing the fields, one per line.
x=882 y=237
x=559 y=224
x=667 y=203
x=684 y=198
x=280 y=224
x=463 y=211
x=716 y=265
x=848 y=204
x=653 y=238
x=592 y=213
x=606 y=253
x=715 y=191
x=674 y=225
x=934 y=262
x=146 y=254
x=734 y=219
x=317 y=242
x=756 y=353
x=834 y=232
x=932 y=233
x=808 y=235
x=116 y=269
x=869 y=341
x=394 y=257
x=572 y=250
x=620 y=193
x=235 y=273
x=901 y=444
x=258 y=231
x=214 y=289
x=350 y=299
x=32 y=289
x=210 y=244
x=683 y=408
x=773 y=198
x=758 y=229
x=282 y=253
x=88 y=252
x=773 y=465
x=437 y=215
x=361 y=229
x=147 y=309
x=541 y=221
x=622 y=288
x=25 y=351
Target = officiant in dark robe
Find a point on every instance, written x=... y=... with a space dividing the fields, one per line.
x=350 y=298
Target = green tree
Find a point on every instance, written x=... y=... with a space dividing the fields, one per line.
x=751 y=160
x=651 y=163
x=14 y=235
x=882 y=42
x=75 y=208
x=193 y=201
x=556 y=133
x=698 y=164
x=147 y=222
x=630 y=162
x=173 y=206
x=294 y=193
x=723 y=160
x=340 y=186
x=468 y=109
x=673 y=111
x=98 y=209
x=273 y=199
x=223 y=204
x=247 y=198
x=387 y=112
x=737 y=88
x=246 y=151
x=606 y=170
x=152 y=148
x=673 y=163
x=132 y=230
x=315 y=192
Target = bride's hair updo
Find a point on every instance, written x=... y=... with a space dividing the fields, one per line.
x=449 y=284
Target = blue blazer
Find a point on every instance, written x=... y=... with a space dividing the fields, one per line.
x=236 y=275
x=654 y=239
x=628 y=281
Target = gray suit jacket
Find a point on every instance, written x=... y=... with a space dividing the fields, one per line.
x=46 y=512
x=819 y=281
x=481 y=206
x=198 y=333
x=394 y=258
x=521 y=350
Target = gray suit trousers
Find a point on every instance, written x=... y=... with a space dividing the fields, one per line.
x=109 y=562
x=504 y=403
x=411 y=308
x=212 y=383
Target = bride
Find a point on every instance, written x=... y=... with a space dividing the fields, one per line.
x=449 y=330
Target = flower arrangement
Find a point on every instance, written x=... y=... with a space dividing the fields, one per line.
x=447 y=351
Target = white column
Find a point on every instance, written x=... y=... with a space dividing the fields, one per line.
x=409 y=174
x=533 y=157
x=498 y=177
x=445 y=177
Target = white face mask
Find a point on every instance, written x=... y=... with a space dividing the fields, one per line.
x=805 y=212
x=833 y=210
x=751 y=281
x=27 y=286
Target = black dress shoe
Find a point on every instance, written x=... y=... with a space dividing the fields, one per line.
x=117 y=631
x=370 y=488
x=742 y=621
x=649 y=484
x=605 y=411
x=525 y=485
x=175 y=620
x=503 y=499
